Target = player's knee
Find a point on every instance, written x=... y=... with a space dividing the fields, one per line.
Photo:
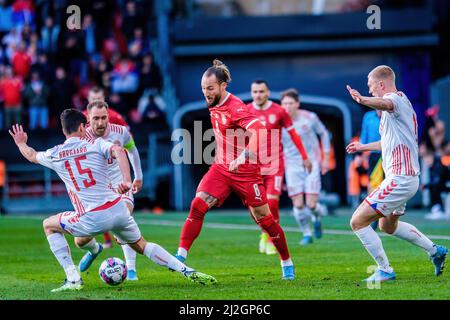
x=78 y=242
x=199 y=207
x=48 y=226
x=387 y=228
x=354 y=224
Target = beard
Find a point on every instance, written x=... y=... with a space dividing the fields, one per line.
x=214 y=102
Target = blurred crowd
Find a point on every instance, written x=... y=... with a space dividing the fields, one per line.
x=365 y=172
x=45 y=67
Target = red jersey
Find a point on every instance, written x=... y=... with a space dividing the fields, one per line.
x=274 y=117
x=230 y=120
x=114 y=118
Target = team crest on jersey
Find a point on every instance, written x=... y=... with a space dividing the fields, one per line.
x=272 y=119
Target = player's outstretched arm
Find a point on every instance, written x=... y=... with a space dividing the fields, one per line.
x=20 y=138
x=119 y=154
x=372 y=102
x=359 y=147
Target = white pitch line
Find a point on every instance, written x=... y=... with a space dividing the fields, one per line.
x=229 y=226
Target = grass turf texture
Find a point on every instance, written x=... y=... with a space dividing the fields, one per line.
x=331 y=268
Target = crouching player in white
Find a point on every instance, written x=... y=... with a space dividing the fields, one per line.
x=82 y=165
x=399 y=149
x=119 y=135
x=304 y=186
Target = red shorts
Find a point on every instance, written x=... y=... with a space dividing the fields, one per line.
x=220 y=183
x=274 y=183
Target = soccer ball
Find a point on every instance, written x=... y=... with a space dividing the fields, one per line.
x=113 y=271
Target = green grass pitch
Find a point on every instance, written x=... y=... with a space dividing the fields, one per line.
x=227 y=248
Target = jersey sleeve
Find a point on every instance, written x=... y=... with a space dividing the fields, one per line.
x=45 y=158
x=242 y=117
x=128 y=141
x=286 y=120
x=104 y=147
x=320 y=129
x=396 y=100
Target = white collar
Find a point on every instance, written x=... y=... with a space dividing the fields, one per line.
x=226 y=98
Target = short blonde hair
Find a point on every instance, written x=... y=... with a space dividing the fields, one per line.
x=382 y=72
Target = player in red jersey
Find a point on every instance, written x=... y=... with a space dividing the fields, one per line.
x=97 y=93
x=274 y=117
x=236 y=166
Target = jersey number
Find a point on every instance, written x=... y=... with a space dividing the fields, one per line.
x=86 y=182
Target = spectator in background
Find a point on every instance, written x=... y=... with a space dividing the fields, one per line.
x=44 y=68
x=438 y=182
x=10 y=88
x=11 y=41
x=434 y=129
x=2 y=99
x=49 y=37
x=21 y=61
x=149 y=75
x=90 y=39
x=138 y=45
x=132 y=19
x=36 y=93
x=23 y=12
x=62 y=91
x=124 y=78
x=6 y=20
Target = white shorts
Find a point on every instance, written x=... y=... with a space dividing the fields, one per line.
x=392 y=194
x=299 y=181
x=128 y=197
x=115 y=219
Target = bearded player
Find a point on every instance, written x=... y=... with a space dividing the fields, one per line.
x=274 y=117
x=119 y=135
x=236 y=166
x=400 y=160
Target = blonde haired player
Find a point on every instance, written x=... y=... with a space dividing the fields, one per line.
x=82 y=165
x=399 y=149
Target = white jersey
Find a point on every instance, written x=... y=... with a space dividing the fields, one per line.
x=82 y=165
x=398 y=130
x=308 y=126
x=120 y=136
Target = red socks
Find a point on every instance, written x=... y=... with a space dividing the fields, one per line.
x=273 y=229
x=193 y=225
x=107 y=237
x=274 y=209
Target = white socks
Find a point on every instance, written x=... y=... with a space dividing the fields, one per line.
x=61 y=250
x=287 y=262
x=160 y=256
x=410 y=233
x=372 y=242
x=182 y=252
x=130 y=257
x=303 y=218
x=92 y=246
